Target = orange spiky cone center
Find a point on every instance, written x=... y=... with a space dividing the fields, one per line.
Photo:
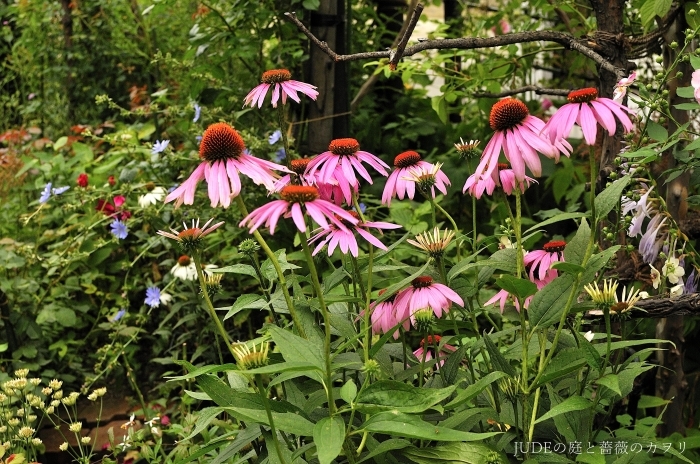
x=406 y=159
x=582 y=95
x=299 y=193
x=502 y=166
x=345 y=147
x=184 y=260
x=554 y=246
x=299 y=165
x=221 y=142
x=507 y=114
x=276 y=76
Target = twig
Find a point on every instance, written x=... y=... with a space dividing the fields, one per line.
x=407 y=35
x=469 y=43
x=528 y=88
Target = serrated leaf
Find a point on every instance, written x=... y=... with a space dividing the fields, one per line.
x=245 y=269
x=297 y=349
x=547 y=305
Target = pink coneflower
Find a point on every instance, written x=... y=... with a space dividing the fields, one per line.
x=585 y=108
x=398 y=184
x=518 y=134
x=283 y=84
x=383 y=316
x=425 y=354
x=476 y=186
x=344 y=238
x=424 y=292
x=296 y=177
x=427 y=178
x=293 y=198
x=224 y=156
x=540 y=260
x=339 y=163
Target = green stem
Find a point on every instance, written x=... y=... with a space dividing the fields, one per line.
x=266 y=403
x=266 y=294
x=368 y=298
x=209 y=305
x=278 y=269
x=285 y=141
x=606 y=361
x=326 y=322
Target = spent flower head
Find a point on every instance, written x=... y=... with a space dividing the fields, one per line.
x=212 y=283
x=468 y=149
x=249 y=359
x=602 y=297
x=434 y=243
x=190 y=239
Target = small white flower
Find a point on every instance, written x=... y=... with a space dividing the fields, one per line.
x=128 y=424
x=165 y=298
x=621 y=87
x=184 y=269
x=655 y=276
x=153 y=197
x=589 y=336
x=672 y=270
x=677 y=290
x=63 y=446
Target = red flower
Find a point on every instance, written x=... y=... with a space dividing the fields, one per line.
x=113 y=209
x=82 y=180
x=112 y=181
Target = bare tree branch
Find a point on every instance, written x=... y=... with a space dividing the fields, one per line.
x=663 y=306
x=471 y=43
x=406 y=35
x=528 y=88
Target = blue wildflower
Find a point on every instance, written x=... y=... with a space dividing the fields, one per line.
x=160 y=147
x=275 y=137
x=119 y=229
x=280 y=155
x=59 y=190
x=118 y=316
x=199 y=139
x=197 y=112
x=152 y=297
x=45 y=194
x=363 y=208
x=691 y=285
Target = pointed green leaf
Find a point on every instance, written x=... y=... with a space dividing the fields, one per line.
x=574 y=403
x=329 y=434
x=610 y=197
x=398 y=424
x=386 y=395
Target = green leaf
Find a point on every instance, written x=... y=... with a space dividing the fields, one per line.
x=657 y=131
x=329 y=434
x=662 y=7
x=687 y=106
x=246 y=269
x=647 y=12
x=686 y=92
x=569 y=268
x=464 y=266
x=109 y=166
x=651 y=402
x=576 y=248
x=281 y=367
x=558 y=218
x=565 y=362
x=455 y=453
x=547 y=305
x=398 y=424
x=474 y=389
x=574 y=403
x=450 y=369
x=519 y=287
x=348 y=392
x=497 y=359
x=60 y=143
x=196 y=372
x=246 y=301
x=610 y=197
x=386 y=446
x=386 y=395
x=505 y=260
x=439 y=105
x=295 y=348
x=267 y=269
x=611 y=381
